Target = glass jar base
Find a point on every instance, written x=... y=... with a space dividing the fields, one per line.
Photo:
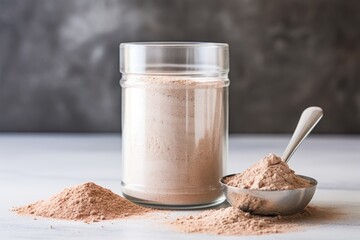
x=148 y=203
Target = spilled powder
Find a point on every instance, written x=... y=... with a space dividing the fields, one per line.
x=232 y=221
x=87 y=202
x=270 y=173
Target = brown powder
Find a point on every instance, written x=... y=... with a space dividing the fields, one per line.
x=87 y=202
x=270 y=173
x=232 y=221
x=183 y=128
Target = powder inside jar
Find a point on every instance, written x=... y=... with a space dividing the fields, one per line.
x=174 y=139
x=270 y=173
x=87 y=202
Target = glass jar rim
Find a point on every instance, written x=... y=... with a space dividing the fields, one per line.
x=174 y=58
x=174 y=44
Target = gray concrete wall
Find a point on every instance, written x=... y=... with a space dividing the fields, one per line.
x=59 y=59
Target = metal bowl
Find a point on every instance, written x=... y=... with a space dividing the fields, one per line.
x=269 y=202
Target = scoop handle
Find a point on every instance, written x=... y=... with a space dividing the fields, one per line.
x=308 y=120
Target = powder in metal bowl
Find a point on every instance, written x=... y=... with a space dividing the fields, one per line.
x=270 y=173
x=87 y=202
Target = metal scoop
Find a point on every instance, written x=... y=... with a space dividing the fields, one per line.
x=278 y=202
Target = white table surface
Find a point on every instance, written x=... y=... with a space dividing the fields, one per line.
x=33 y=167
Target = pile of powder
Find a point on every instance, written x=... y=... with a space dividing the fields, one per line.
x=232 y=221
x=270 y=173
x=87 y=202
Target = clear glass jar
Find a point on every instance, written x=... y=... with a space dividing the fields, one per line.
x=174 y=122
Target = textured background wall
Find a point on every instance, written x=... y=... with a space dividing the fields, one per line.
x=59 y=59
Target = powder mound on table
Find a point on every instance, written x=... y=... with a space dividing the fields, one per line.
x=270 y=173
x=232 y=221
x=87 y=202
